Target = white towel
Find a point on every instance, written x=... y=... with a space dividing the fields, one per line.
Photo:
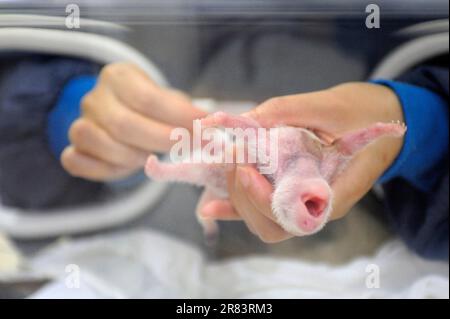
x=148 y=264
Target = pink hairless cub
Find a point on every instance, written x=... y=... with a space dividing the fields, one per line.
x=306 y=167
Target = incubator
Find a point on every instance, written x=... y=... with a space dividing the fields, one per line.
x=228 y=55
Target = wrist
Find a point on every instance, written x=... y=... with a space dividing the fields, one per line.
x=368 y=103
x=378 y=103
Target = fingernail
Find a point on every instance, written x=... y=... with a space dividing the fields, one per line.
x=243 y=177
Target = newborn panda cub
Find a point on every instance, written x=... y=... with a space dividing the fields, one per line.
x=306 y=166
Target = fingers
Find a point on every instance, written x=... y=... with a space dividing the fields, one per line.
x=125 y=125
x=254 y=208
x=91 y=140
x=258 y=190
x=331 y=112
x=250 y=197
x=135 y=88
x=125 y=117
x=310 y=110
x=219 y=210
x=81 y=165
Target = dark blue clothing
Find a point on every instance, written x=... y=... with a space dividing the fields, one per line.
x=30 y=175
x=426 y=114
x=421 y=218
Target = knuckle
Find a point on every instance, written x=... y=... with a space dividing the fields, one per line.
x=145 y=95
x=87 y=102
x=275 y=106
x=69 y=162
x=118 y=124
x=276 y=102
x=110 y=70
x=130 y=66
x=115 y=69
x=128 y=159
x=79 y=131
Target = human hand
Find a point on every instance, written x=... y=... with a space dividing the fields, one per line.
x=330 y=114
x=126 y=117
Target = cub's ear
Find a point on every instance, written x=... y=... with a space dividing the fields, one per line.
x=341 y=151
x=353 y=142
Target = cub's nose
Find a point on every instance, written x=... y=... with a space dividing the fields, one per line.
x=315 y=197
x=315 y=205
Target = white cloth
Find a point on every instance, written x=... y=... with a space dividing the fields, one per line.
x=148 y=264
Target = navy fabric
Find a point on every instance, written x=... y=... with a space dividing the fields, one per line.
x=30 y=176
x=426 y=116
x=422 y=218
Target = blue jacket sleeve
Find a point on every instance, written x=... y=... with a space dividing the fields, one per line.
x=66 y=111
x=416 y=186
x=427 y=137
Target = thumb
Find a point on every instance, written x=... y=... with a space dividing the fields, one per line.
x=315 y=111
